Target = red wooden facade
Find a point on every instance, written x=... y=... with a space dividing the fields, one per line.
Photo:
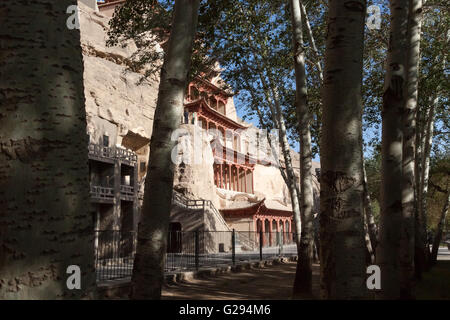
x=266 y=220
x=206 y=107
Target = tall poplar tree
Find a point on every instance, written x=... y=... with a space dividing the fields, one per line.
x=148 y=272
x=303 y=278
x=45 y=223
x=342 y=249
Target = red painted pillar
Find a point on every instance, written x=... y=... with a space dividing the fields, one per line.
x=290 y=230
x=229 y=177
x=220 y=173
x=245 y=180
x=253 y=181
x=237 y=179
x=270 y=232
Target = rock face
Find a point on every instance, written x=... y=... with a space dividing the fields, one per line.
x=122 y=110
x=194 y=175
x=114 y=102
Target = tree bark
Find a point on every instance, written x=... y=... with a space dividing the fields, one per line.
x=419 y=242
x=148 y=272
x=45 y=221
x=428 y=141
x=303 y=277
x=440 y=228
x=342 y=249
x=409 y=128
x=388 y=249
x=369 y=220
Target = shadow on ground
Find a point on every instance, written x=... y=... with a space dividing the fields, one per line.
x=271 y=282
x=435 y=283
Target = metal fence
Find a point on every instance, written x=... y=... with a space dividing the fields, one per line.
x=191 y=250
x=114 y=254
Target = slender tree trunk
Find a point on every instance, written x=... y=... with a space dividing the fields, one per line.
x=311 y=41
x=388 y=249
x=409 y=130
x=45 y=221
x=148 y=273
x=303 y=277
x=369 y=219
x=370 y=255
x=440 y=228
x=419 y=243
x=342 y=249
x=270 y=92
x=428 y=140
x=424 y=138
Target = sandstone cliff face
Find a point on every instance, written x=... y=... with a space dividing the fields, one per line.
x=194 y=175
x=114 y=101
x=118 y=107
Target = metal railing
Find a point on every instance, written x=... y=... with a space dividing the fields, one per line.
x=114 y=254
x=190 y=250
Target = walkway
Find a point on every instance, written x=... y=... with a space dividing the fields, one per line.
x=272 y=282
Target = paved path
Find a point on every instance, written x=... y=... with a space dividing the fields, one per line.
x=272 y=282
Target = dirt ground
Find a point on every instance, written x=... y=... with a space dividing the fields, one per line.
x=271 y=282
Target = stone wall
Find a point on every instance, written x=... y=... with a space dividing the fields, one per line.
x=114 y=101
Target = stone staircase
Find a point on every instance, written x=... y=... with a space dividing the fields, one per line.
x=196 y=204
x=244 y=240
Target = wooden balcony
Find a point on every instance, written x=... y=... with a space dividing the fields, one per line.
x=111 y=154
x=126 y=156
x=127 y=193
x=102 y=194
x=101 y=153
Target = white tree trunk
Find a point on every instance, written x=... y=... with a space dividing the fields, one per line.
x=148 y=273
x=369 y=217
x=303 y=278
x=428 y=141
x=388 y=249
x=342 y=247
x=271 y=94
x=311 y=41
x=45 y=221
x=409 y=130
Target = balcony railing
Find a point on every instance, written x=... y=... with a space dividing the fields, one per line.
x=102 y=193
x=126 y=156
x=127 y=192
x=97 y=151
x=127 y=189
